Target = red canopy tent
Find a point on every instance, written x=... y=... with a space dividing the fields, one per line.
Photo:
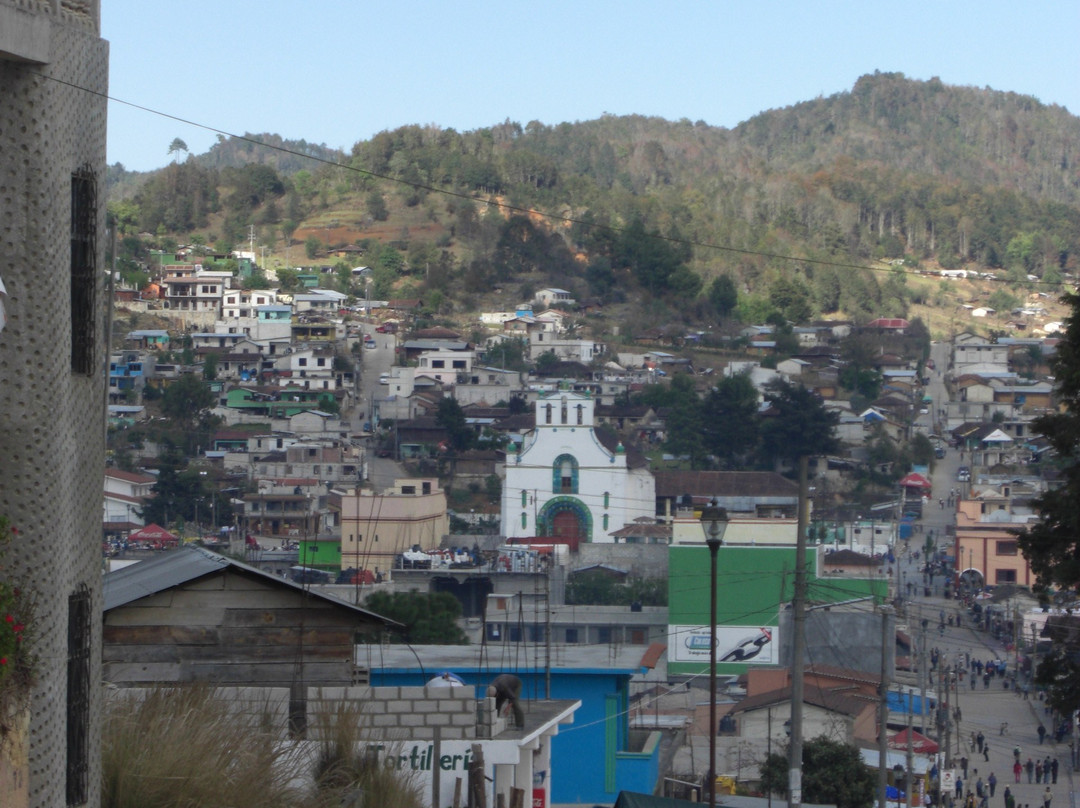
x=153 y=534
x=919 y=742
x=915 y=480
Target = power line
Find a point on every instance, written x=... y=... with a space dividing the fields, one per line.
x=495 y=203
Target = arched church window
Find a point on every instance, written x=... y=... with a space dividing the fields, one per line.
x=563 y=413
x=580 y=414
x=564 y=475
x=547 y=412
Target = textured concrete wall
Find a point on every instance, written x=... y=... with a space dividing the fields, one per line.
x=843 y=639
x=641 y=560
x=51 y=419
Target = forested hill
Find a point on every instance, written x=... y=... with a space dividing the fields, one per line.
x=895 y=168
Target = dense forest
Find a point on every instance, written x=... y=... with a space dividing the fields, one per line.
x=692 y=220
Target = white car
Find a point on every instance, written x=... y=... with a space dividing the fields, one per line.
x=384 y=378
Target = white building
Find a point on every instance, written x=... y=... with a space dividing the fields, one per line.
x=566 y=482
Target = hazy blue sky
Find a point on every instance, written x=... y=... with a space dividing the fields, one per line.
x=339 y=71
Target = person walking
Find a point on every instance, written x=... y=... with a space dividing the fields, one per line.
x=980 y=739
x=1018 y=768
x=1030 y=767
x=1048 y=797
x=1038 y=772
x=1053 y=771
x=991 y=783
x=960 y=786
x=963 y=765
x=1010 y=800
x=986 y=752
x=1042 y=734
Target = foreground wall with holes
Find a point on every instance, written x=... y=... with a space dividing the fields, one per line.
x=53 y=77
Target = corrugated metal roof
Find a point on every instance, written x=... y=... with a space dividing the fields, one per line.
x=172 y=569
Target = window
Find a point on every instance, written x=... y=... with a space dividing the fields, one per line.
x=605 y=521
x=459 y=364
x=408 y=489
x=524 y=520
x=603 y=634
x=562 y=408
x=547 y=412
x=637 y=636
x=438 y=363
x=571 y=635
x=580 y=414
x=524 y=498
x=1005 y=576
x=321 y=362
x=564 y=475
x=78 y=696
x=302 y=362
x=84 y=215
x=607 y=500
x=1006 y=548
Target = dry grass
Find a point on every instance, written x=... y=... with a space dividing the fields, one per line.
x=189 y=747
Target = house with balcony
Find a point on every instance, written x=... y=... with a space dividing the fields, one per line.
x=328 y=460
x=126 y=375
x=243 y=303
x=125 y=495
x=289 y=511
x=987 y=553
x=196 y=292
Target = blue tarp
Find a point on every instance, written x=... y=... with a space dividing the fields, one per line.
x=908 y=702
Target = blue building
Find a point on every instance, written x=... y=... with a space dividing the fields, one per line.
x=592 y=760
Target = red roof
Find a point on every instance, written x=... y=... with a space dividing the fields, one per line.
x=919 y=742
x=888 y=322
x=915 y=480
x=152 y=532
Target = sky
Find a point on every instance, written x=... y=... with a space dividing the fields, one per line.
x=340 y=71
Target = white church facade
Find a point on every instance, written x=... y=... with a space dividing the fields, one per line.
x=571 y=482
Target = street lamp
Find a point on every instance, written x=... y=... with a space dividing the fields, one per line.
x=714 y=521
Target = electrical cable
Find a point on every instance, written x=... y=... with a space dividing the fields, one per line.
x=495 y=203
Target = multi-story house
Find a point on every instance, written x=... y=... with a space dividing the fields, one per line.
x=446 y=365
x=243 y=303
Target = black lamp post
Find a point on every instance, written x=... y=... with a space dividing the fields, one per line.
x=714 y=521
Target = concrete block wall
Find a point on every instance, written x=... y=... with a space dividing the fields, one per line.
x=408 y=712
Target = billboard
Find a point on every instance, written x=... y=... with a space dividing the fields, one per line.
x=750 y=645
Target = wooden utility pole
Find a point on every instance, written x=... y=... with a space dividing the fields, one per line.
x=798 y=645
x=883 y=710
x=477 y=786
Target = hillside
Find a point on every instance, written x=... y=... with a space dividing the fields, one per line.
x=648 y=213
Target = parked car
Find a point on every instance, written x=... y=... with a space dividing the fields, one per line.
x=963 y=474
x=384 y=378
x=939 y=452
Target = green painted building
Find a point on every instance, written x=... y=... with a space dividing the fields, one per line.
x=322 y=554
x=754 y=584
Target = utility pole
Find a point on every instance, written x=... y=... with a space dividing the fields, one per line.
x=798 y=646
x=883 y=709
x=924 y=673
x=910 y=755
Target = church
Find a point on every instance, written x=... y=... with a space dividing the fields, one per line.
x=572 y=482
